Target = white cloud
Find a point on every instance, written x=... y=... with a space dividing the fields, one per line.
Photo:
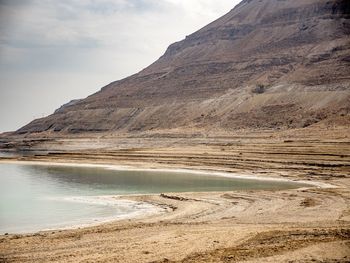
x=103 y=40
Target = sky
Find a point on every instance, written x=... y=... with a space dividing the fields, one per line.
x=53 y=51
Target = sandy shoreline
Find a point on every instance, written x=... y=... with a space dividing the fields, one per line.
x=154 y=209
x=145 y=209
x=203 y=227
x=310 y=224
x=178 y=170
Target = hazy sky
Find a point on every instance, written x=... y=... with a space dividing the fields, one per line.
x=54 y=51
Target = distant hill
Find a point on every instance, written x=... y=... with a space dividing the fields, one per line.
x=266 y=64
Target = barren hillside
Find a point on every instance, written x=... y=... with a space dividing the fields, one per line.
x=266 y=64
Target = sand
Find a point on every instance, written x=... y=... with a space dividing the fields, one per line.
x=299 y=225
x=205 y=227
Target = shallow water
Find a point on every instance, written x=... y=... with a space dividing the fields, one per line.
x=37 y=197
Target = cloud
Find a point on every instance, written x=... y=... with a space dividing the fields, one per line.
x=104 y=40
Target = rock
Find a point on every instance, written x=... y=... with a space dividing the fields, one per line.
x=298 y=49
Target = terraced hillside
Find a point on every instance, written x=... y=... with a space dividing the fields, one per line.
x=265 y=64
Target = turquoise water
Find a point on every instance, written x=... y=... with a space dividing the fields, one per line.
x=37 y=197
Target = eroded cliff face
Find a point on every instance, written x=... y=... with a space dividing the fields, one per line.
x=265 y=64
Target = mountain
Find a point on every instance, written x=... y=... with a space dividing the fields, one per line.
x=266 y=64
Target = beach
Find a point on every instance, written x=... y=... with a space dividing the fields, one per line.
x=205 y=227
x=309 y=224
x=231 y=145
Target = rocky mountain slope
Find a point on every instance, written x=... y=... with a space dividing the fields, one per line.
x=265 y=64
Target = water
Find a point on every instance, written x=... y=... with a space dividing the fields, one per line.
x=7 y=154
x=37 y=197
